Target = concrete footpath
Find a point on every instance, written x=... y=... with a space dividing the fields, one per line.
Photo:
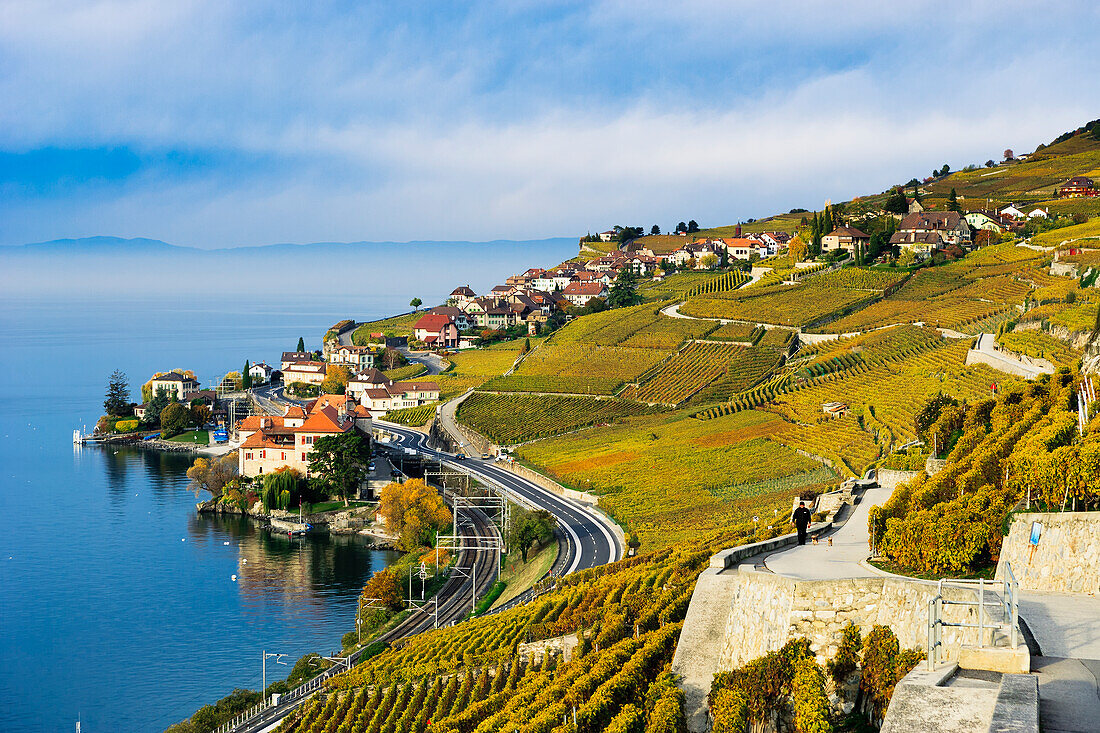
x=1065 y=628
x=842 y=559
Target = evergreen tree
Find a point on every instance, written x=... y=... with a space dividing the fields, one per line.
x=246 y=376
x=159 y=401
x=692 y=226
x=655 y=230
x=625 y=290
x=953 y=201
x=896 y=203
x=681 y=228
x=301 y=345
x=118 y=394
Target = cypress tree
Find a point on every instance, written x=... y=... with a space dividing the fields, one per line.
x=301 y=344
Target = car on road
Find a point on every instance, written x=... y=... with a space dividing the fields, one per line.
x=486 y=456
x=460 y=456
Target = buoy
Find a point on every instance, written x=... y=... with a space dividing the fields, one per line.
x=226 y=544
x=183 y=539
x=234 y=578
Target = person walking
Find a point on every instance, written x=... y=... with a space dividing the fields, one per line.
x=801 y=519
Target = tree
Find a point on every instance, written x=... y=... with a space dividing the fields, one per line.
x=153 y=409
x=336 y=379
x=416 y=303
x=709 y=260
x=246 y=376
x=953 y=201
x=212 y=474
x=282 y=488
x=797 y=248
x=338 y=464
x=200 y=414
x=392 y=359
x=301 y=345
x=414 y=511
x=1008 y=154
x=625 y=290
x=655 y=230
x=692 y=227
x=526 y=528
x=173 y=420
x=526 y=346
x=896 y=203
x=681 y=228
x=117 y=401
x=384 y=588
x=989 y=163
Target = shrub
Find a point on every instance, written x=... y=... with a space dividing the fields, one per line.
x=126 y=426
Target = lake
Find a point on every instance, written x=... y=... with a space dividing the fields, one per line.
x=118 y=605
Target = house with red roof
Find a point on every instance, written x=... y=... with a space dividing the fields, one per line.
x=1077 y=187
x=437 y=331
x=580 y=293
x=268 y=443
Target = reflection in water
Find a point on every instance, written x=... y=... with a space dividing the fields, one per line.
x=105 y=566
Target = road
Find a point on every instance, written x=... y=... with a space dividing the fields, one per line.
x=588 y=542
x=434 y=362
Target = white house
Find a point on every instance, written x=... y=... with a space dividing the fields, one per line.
x=260 y=372
x=1038 y=214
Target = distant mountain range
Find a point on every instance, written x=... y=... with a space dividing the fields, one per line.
x=101 y=245
x=112 y=266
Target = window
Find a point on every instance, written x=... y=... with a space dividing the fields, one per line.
x=303 y=456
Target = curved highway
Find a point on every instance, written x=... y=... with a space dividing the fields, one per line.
x=588 y=541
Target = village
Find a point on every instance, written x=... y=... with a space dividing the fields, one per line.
x=341 y=388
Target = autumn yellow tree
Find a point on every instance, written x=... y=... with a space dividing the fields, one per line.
x=383 y=590
x=414 y=511
x=797 y=248
x=212 y=474
x=336 y=379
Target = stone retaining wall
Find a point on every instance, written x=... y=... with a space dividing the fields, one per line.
x=768 y=610
x=1066 y=559
x=893 y=477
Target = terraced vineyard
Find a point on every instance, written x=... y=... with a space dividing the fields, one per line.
x=1039 y=345
x=859 y=278
x=743 y=332
x=470 y=677
x=507 y=419
x=723 y=283
x=749 y=369
x=577 y=368
x=646 y=470
x=640 y=326
x=413 y=416
x=687 y=372
x=793 y=305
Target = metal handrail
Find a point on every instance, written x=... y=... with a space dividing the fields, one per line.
x=1009 y=603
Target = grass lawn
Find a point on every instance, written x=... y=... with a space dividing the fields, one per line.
x=328 y=506
x=395 y=326
x=199 y=437
x=519 y=576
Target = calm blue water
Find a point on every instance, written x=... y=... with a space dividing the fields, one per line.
x=116 y=598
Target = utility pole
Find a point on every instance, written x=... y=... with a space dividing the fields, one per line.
x=263 y=660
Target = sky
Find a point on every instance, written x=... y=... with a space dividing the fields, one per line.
x=215 y=124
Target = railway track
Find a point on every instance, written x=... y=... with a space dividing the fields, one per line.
x=454 y=599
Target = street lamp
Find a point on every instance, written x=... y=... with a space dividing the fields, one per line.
x=278 y=659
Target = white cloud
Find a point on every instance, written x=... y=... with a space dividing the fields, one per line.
x=372 y=129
